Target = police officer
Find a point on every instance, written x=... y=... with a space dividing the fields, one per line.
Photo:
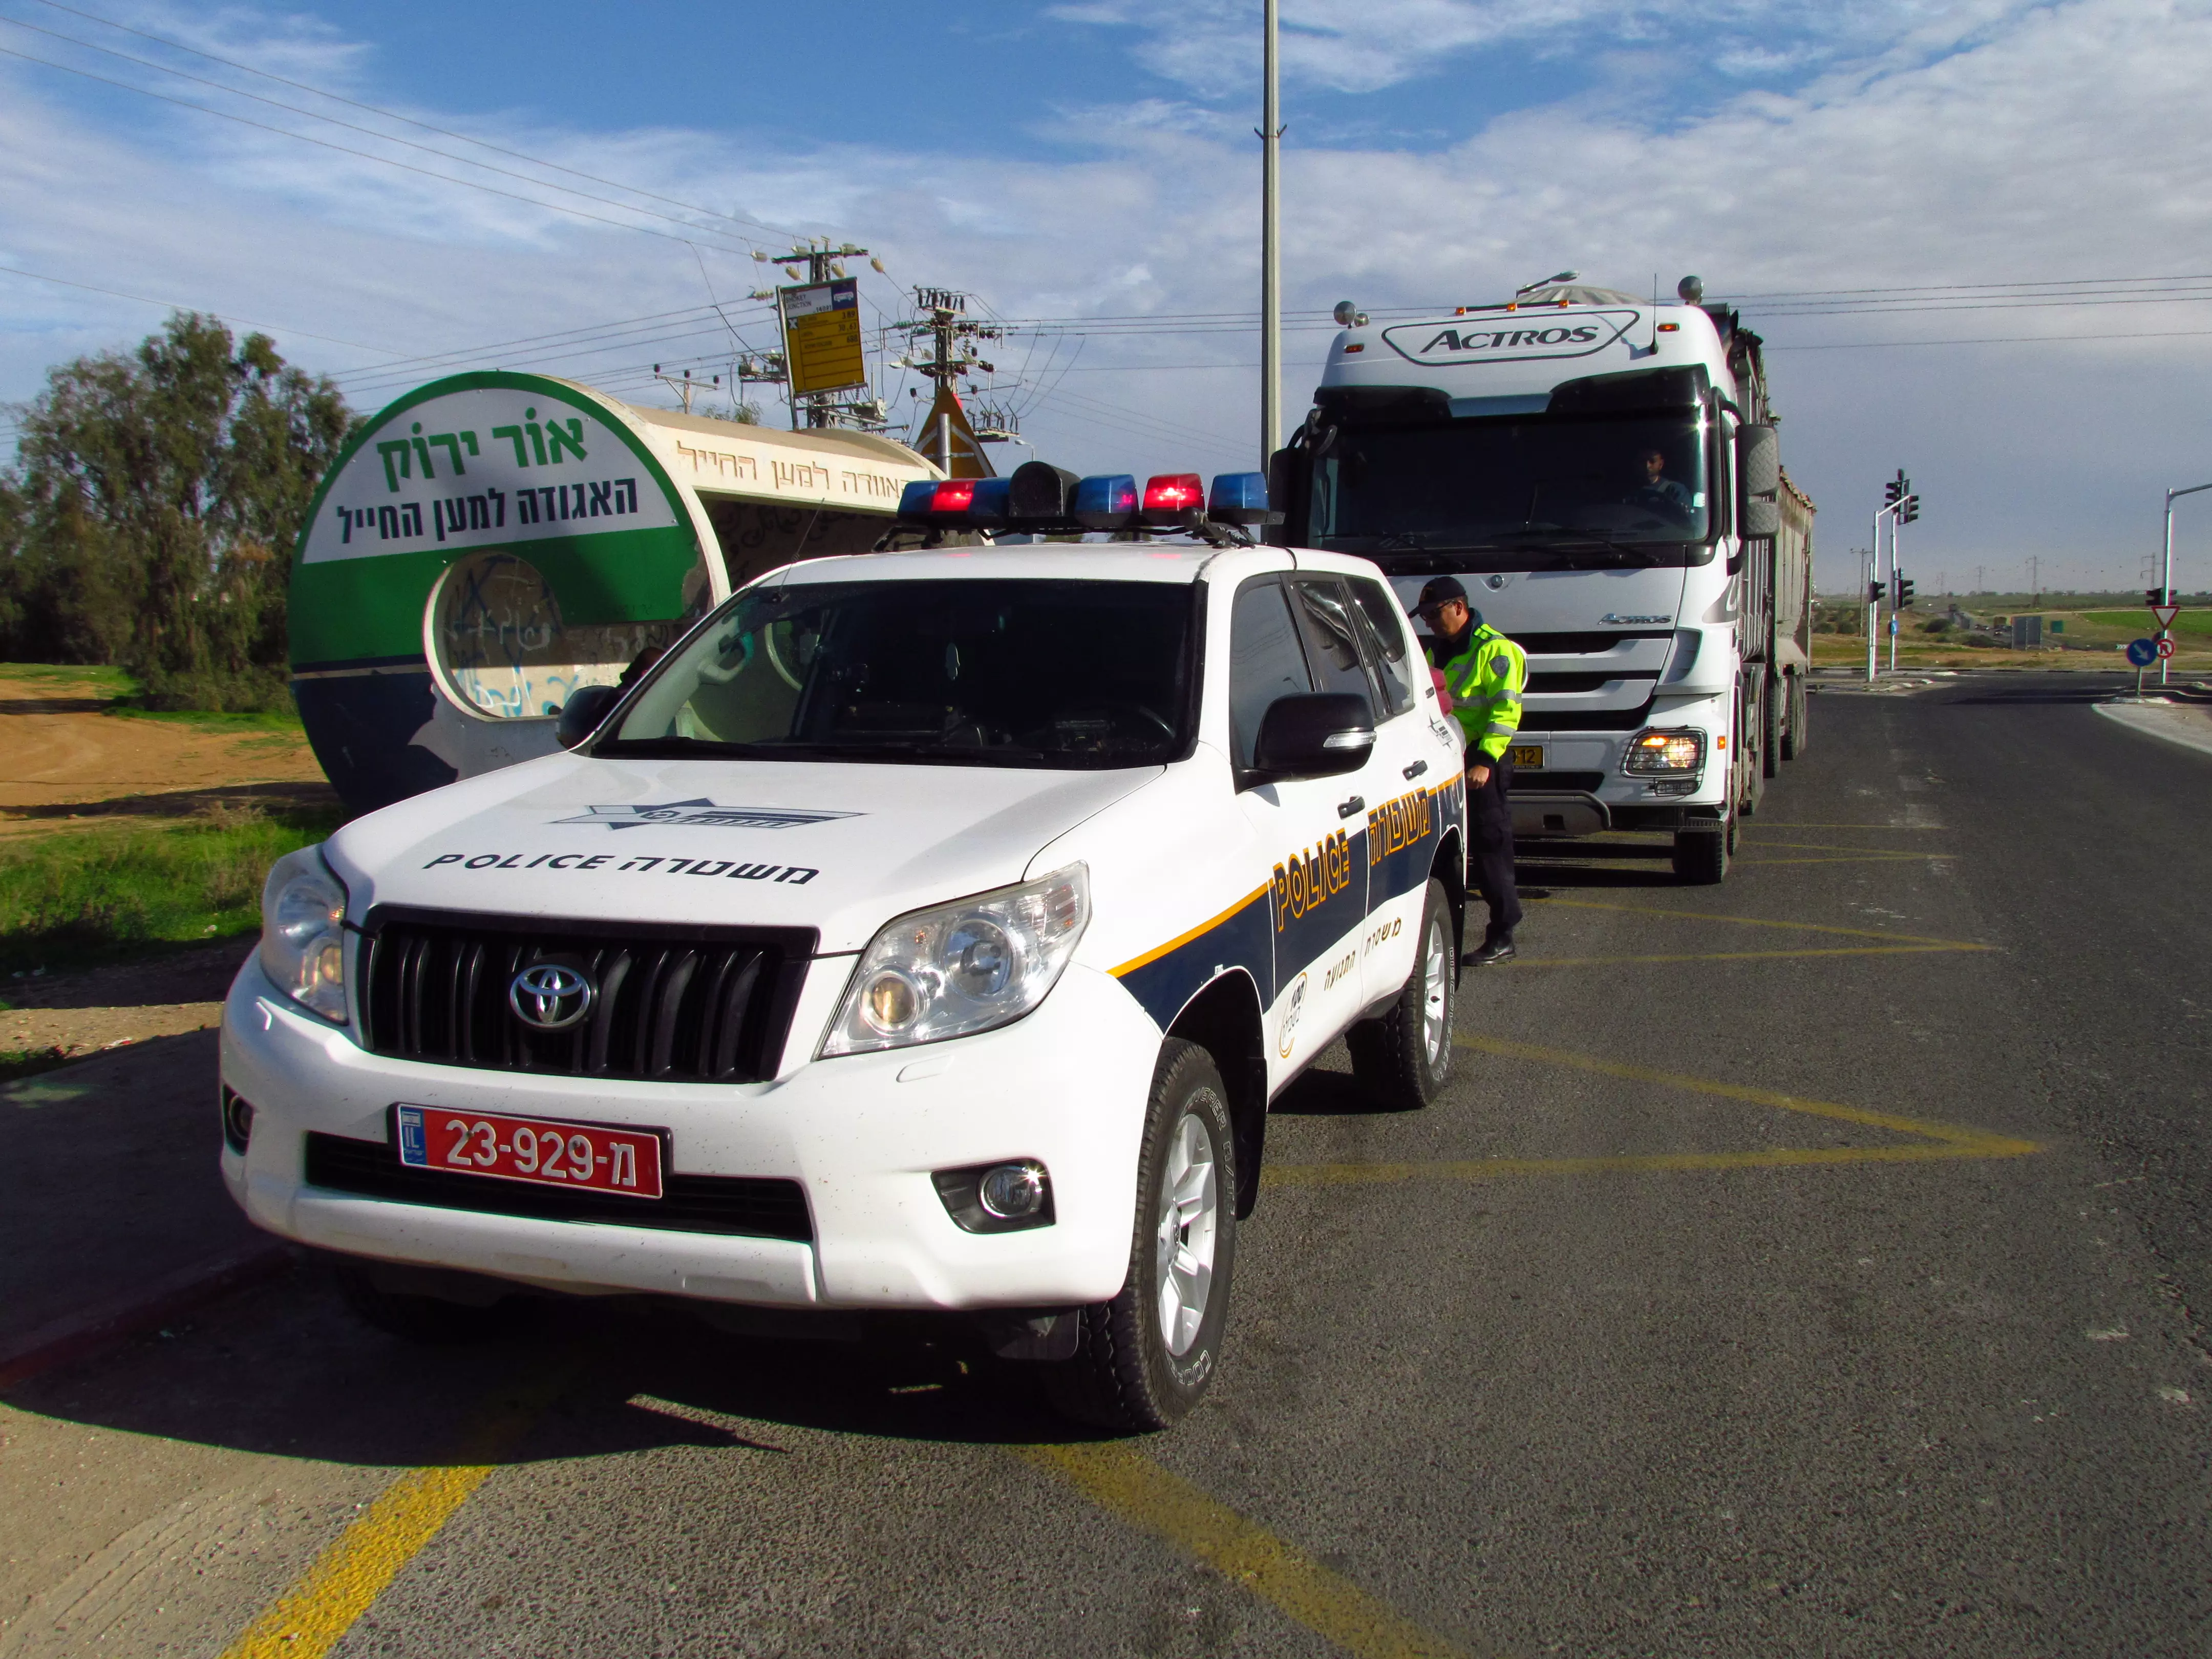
x=1485 y=673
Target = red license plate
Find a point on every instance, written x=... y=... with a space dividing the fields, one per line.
x=552 y=1154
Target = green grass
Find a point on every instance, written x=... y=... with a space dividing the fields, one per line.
x=204 y=721
x=2192 y=623
x=131 y=889
x=44 y=673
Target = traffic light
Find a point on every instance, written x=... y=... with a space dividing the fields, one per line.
x=1874 y=591
x=1903 y=592
x=2158 y=596
x=1909 y=509
x=1894 y=492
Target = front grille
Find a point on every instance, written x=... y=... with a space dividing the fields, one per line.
x=755 y=1207
x=1540 y=683
x=1593 y=719
x=1579 y=783
x=671 y=1005
x=1579 y=645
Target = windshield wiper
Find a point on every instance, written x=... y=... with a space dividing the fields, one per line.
x=1639 y=551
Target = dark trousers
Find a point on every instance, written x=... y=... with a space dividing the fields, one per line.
x=1490 y=860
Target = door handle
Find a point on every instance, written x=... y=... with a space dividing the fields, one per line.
x=1416 y=770
x=1356 y=804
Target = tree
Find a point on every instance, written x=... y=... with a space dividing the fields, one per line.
x=156 y=499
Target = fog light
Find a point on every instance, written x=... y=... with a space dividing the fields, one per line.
x=1013 y=1191
x=997 y=1198
x=237 y=1121
x=1651 y=751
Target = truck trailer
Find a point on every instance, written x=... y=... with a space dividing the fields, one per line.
x=1602 y=474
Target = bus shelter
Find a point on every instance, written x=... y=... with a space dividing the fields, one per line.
x=491 y=541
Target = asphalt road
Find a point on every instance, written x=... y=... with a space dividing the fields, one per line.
x=1820 y=1264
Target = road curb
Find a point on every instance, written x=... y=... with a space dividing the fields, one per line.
x=174 y=1294
x=2156 y=720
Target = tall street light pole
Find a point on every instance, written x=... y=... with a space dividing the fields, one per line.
x=1271 y=257
x=2166 y=576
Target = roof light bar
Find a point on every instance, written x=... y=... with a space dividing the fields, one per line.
x=1240 y=498
x=1173 y=498
x=1108 y=503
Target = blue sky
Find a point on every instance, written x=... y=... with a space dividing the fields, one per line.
x=1089 y=170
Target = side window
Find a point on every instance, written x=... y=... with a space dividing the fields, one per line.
x=1384 y=634
x=1265 y=662
x=1332 y=637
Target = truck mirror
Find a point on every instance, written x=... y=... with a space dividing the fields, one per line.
x=1314 y=734
x=1287 y=490
x=587 y=706
x=1761 y=516
x=1758 y=482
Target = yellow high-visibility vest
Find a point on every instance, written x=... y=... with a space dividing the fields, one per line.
x=1486 y=681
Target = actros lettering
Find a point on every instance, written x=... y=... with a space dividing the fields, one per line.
x=1454 y=339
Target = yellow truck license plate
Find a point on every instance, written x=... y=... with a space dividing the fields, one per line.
x=1526 y=754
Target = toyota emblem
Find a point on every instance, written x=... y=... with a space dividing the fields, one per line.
x=550 y=997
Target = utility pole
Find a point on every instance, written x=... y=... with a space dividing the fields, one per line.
x=686 y=388
x=2034 y=581
x=1271 y=253
x=951 y=335
x=2166 y=570
x=824 y=264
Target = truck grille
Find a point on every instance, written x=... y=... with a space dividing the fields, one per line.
x=755 y=1207
x=1580 y=783
x=670 y=1005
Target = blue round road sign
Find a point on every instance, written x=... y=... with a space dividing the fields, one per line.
x=2143 y=652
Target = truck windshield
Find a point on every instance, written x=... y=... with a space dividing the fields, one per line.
x=1540 y=492
x=1046 y=674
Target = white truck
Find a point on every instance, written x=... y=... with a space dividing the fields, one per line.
x=1601 y=473
x=926 y=930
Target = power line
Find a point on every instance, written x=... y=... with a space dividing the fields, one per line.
x=354 y=126
x=385 y=161
x=391 y=115
x=172 y=304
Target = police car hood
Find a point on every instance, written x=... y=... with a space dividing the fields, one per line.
x=839 y=848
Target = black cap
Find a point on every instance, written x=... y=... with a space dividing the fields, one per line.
x=1436 y=591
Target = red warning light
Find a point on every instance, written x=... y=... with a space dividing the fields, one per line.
x=953 y=495
x=1174 y=496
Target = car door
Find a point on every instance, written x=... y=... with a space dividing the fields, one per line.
x=1416 y=777
x=1317 y=886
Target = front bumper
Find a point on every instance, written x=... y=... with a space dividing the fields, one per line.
x=1582 y=790
x=861 y=1134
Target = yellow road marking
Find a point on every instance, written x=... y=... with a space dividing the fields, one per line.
x=344 y=1582
x=1140 y=1492
x=1841 y=847
x=1935 y=1139
x=1854 y=858
x=1753 y=922
x=1770 y=823
x=1743 y=956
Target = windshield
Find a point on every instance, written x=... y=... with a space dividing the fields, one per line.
x=1049 y=674
x=1542 y=492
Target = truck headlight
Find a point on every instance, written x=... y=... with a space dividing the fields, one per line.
x=961 y=967
x=303 y=932
x=1653 y=751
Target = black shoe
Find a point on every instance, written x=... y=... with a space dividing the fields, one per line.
x=1499 y=949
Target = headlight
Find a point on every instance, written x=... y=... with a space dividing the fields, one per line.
x=302 y=932
x=964 y=967
x=1664 y=752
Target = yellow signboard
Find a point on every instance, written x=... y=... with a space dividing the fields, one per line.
x=821 y=336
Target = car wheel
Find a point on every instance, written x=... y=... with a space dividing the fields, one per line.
x=1143 y=1360
x=1403 y=1056
x=1701 y=856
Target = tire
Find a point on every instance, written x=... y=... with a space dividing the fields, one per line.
x=1746 y=771
x=426 y=1321
x=1143 y=1360
x=1793 y=738
x=1403 y=1056
x=1770 y=735
x=1701 y=856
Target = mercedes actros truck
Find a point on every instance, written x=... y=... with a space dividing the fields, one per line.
x=1602 y=474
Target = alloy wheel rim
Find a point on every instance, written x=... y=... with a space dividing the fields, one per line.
x=1188 y=1233
x=1434 y=989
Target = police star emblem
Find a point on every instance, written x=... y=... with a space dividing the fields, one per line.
x=705 y=812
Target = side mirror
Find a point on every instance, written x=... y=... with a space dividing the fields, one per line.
x=1288 y=474
x=1316 y=734
x=581 y=715
x=1758 y=482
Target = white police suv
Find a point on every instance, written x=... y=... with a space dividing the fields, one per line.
x=928 y=930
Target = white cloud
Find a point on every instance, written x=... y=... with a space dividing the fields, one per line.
x=1965 y=144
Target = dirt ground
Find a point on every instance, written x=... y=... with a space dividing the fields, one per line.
x=68 y=764
x=64 y=761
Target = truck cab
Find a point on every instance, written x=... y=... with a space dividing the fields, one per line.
x=1600 y=473
x=928 y=930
